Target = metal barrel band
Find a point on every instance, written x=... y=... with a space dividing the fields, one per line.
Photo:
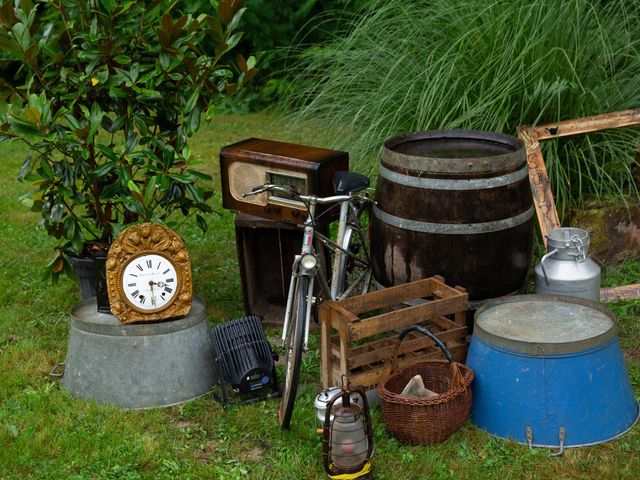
x=452 y=228
x=455 y=183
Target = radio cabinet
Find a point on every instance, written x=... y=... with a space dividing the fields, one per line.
x=252 y=162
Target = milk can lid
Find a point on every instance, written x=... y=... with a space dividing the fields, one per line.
x=544 y=324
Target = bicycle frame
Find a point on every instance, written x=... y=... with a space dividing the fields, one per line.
x=335 y=288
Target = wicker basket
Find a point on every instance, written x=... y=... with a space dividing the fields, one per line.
x=419 y=420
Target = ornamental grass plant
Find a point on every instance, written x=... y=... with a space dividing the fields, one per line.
x=405 y=65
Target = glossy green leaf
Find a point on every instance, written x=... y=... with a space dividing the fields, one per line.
x=122 y=59
x=104 y=169
x=26 y=168
x=191 y=102
x=23 y=127
x=131 y=141
x=193 y=121
x=135 y=205
x=133 y=186
x=200 y=175
x=194 y=193
x=233 y=41
x=27 y=202
x=202 y=223
x=149 y=191
x=145 y=94
x=21 y=34
x=185 y=179
x=235 y=21
x=108 y=5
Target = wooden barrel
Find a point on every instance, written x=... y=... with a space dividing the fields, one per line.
x=455 y=203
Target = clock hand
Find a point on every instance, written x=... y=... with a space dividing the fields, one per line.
x=153 y=297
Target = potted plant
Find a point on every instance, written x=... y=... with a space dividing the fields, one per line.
x=106 y=94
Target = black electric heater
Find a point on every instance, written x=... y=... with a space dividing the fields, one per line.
x=245 y=361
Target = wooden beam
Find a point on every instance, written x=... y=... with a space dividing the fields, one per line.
x=626 y=118
x=625 y=292
x=540 y=186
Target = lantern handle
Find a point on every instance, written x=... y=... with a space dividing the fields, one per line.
x=326 y=429
x=425 y=331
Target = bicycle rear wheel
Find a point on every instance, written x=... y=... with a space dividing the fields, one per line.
x=293 y=352
x=354 y=271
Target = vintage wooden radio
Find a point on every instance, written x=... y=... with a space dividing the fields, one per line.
x=254 y=162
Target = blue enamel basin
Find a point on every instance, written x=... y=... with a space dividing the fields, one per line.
x=548 y=371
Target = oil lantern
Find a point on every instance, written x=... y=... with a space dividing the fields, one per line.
x=347 y=442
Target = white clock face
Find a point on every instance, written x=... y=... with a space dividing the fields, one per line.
x=149 y=282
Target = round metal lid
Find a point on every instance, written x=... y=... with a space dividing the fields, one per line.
x=85 y=317
x=544 y=324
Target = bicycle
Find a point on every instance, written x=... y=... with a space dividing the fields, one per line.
x=351 y=268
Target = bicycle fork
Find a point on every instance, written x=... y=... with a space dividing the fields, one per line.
x=288 y=314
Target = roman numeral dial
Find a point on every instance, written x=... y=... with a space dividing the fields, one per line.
x=149 y=282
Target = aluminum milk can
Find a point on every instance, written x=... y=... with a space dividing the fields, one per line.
x=566 y=269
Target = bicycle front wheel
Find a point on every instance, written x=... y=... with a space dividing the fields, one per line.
x=293 y=352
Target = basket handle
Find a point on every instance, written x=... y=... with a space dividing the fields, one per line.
x=428 y=333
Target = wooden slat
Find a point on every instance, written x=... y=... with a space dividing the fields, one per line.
x=440 y=289
x=406 y=316
x=373 y=377
x=445 y=323
x=329 y=309
x=387 y=297
x=335 y=349
x=625 y=118
x=383 y=349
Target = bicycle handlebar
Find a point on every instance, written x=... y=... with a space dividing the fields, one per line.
x=304 y=198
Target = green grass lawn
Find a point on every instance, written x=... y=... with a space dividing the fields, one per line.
x=47 y=434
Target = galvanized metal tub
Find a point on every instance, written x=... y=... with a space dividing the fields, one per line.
x=139 y=366
x=549 y=372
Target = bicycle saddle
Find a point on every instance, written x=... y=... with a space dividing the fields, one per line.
x=347 y=182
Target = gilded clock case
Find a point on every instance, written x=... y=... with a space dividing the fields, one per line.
x=143 y=239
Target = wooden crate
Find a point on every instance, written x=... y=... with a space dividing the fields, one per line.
x=349 y=354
